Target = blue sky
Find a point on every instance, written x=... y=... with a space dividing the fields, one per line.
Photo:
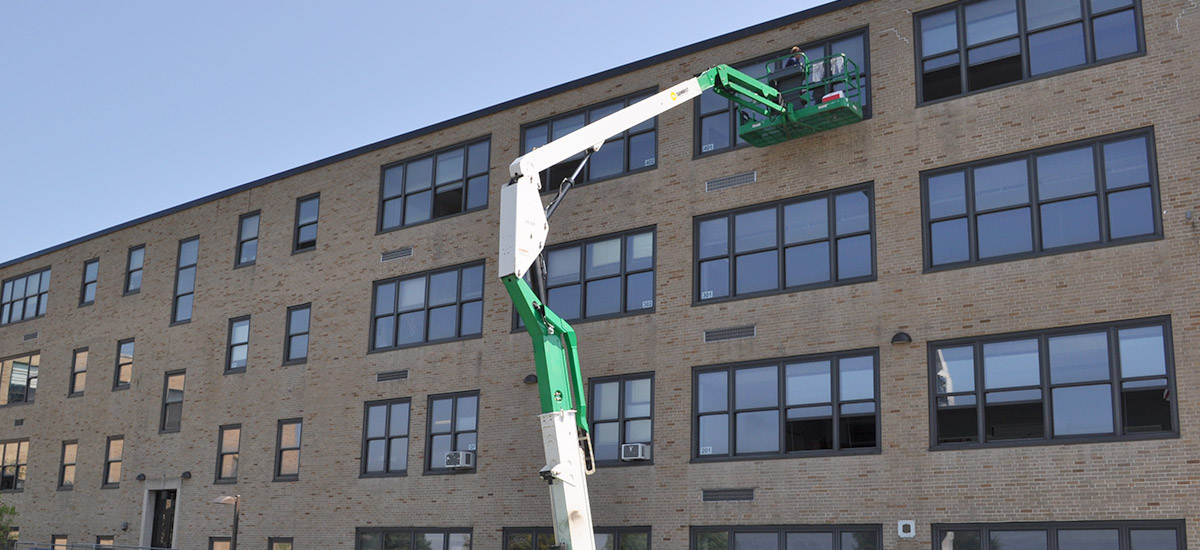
x=117 y=109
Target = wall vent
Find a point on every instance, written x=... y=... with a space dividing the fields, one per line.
x=396 y=254
x=730 y=181
x=19 y=422
x=31 y=336
x=731 y=333
x=392 y=375
x=726 y=495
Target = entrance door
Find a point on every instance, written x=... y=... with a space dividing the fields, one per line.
x=164 y=519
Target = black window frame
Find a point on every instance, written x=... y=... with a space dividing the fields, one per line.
x=1052 y=528
x=272 y=541
x=109 y=461
x=105 y=542
x=222 y=452
x=75 y=388
x=781 y=246
x=168 y=404
x=413 y=532
x=298 y=226
x=1046 y=385
x=40 y=298
x=459 y=304
x=176 y=292
x=212 y=542
x=58 y=542
x=836 y=404
x=552 y=177
x=289 y=335
x=534 y=534
x=618 y=532
x=243 y=240
x=63 y=484
x=1034 y=202
x=230 y=344
x=836 y=531
x=33 y=372
x=403 y=195
x=387 y=437
x=130 y=270
x=16 y=470
x=280 y=449
x=119 y=363
x=454 y=432
x=87 y=283
x=621 y=420
x=1086 y=19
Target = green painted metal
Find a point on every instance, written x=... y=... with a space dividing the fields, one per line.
x=742 y=89
x=555 y=353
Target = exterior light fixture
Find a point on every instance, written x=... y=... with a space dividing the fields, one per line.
x=901 y=338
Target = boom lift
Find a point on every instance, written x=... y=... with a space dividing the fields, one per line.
x=769 y=118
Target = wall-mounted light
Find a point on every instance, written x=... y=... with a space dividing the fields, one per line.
x=901 y=338
x=531 y=379
x=141 y=477
x=186 y=475
x=124 y=525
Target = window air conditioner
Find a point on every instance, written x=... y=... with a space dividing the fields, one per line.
x=460 y=460
x=635 y=451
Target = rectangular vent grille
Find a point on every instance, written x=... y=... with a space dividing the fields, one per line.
x=732 y=333
x=19 y=422
x=31 y=336
x=396 y=254
x=393 y=375
x=726 y=495
x=730 y=181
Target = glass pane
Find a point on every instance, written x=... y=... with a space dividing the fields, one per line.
x=393 y=180
x=854 y=257
x=808 y=383
x=718 y=540
x=639 y=251
x=385 y=332
x=758 y=432
x=566 y=125
x=714 y=131
x=536 y=136
x=440 y=417
x=958 y=425
x=853 y=213
x=639 y=290
x=758 y=271
x=955 y=369
x=1079 y=358
x=398 y=424
x=856 y=378
x=562 y=266
x=607 y=440
x=136 y=258
x=642 y=151
x=183 y=308
x=603 y=258
x=1092 y=539
x=949 y=242
x=468 y=411
x=472 y=318
x=959 y=540
x=418 y=207
x=443 y=288
x=634 y=541
x=604 y=297
x=412 y=328
x=1056 y=49
x=1043 y=13
x=756 y=387
x=1126 y=163
x=714 y=237
x=1006 y=232
x=442 y=322
x=939 y=33
x=1083 y=410
x=637 y=431
x=714 y=435
x=1025 y=540
x=754 y=230
x=1104 y=5
x=990 y=20
x=186 y=282
x=229 y=441
x=565 y=301
x=755 y=541
x=450 y=166
x=860 y=540
x=249 y=251
x=1066 y=173
x=1153 y=539
x=1130 y=213
x=810 y=541
x=606 y=400
x=714 y=279
x=1002 y=184
x=1011 y=364
x=412 y=293
x=1014 y=416
x=419 y=176
x=472 y=283
x=89 y=271
x=712 y=392
x=1115 y=34
x=1141 y=351
x=308 y=211
x=807 y=264
x=637 y=398
x=135 y=280
x=947 y=195
x=298 y=320
x=1070 y=222
x=806 y=221
x=608 y=161
x=477 y=189
x=397 y=541
x=188 y=251
x=994 y=64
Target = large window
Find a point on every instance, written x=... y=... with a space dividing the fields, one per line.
x=287 y=450
x=279 y=543
x=788 y=407
x=408 y=538
x=238 y=350
x=385 y=438
x=630 y=151
x=172 y=406
x=717 y=120
x=114 y=454
x=1096 y=382
x=134 y=265
x=305 y=236
x=1073 y=535
x=440 y=184
x=79 y=372
x=87 y=288
x=228 y=444
x=123 y=375
x=247 y=245
x=806 y=242
x=14 y=458
x=1080 y=195
x=295 y=346
x=66 y=470
x=22 y=374
x=185 y=280
x=440 y=305
x=602 y=277
x=453 y=426
x=797 y=537
x=978 y=45
x=542 y=538
x=621 y=412
x=25 y=297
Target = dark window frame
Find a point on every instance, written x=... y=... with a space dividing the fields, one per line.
x=117 y=383
x=164 y=414
x=31 y=378
x=16 y=468
x=59 y=542
x=403 y=196
x=297 y=226
x=212 y=542
x=191 y=292
x=1035 y=202
x=835 y=530
x=271 y=541
x=621 y=419
x=618 y=532
x=387 y=437
x=454 y=432
x=41 y=297
x=426 y=308
x=533 y=532
x=781 y=247
x=222 y=453
x=289 y=335
x=230 y=344
x=731 y=410
x=130 y=270
x=1046 y=386
x=74 y=388
x=1052 y=528
x=109 y=461
x=62 y=466
x=85 y=282
x=280 y=449
x=412 y=532
x=105 y=542
x=1086 y=17
x=242 y=240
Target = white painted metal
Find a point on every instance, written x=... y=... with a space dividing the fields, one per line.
x=566 y=471
x=522 y=226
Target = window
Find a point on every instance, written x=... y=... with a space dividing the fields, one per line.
x=87 y=291
x=1064 y=535
x=239 y=344
x=531 y=538
x=12 y=469
x=279 y=543
x=428 y=307
x=815 y=404
x=58 y=542
x=287 y=450
x=306 y=223
x=1080 y=195
x=976 y=46
x=133 y=269
x=296 y=343
x=22 y=373
x=602 y=277
x=79 y=372
x=218 y=543
x=453 y=423
x=798 y=537
x=716 y=129
x=25 y=297
x=124 y=372
x=66 y=472
x=630 y=151
x=172 y=407
x=228 y=440
x=185 y=280
x=397 y=538
x=621 y=412
x=247 y=245
x=440 y=184
x=105 y=541
x=114 y=450
x=385 y=438
x=1110 y=381
x=812 y=241
x=622 y=538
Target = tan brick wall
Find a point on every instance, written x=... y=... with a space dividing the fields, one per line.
x=1119 y=480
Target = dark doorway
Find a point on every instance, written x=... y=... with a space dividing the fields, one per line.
x=164 y=518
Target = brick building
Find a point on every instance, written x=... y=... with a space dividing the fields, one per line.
x=972 y=311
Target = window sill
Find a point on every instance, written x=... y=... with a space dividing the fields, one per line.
x=1050 y=442
x=177 y=323
x=175 y=431
x=383 y=475
x=286 y=478
x=86 y=304
x=1043 y=253
x=857 y=280
x=131 y=292
x=225 y=481
x=429 y=343
x=237 y=371
x=295 y=362
x=385 y=230
x=448 y=472
x=9 y=324
x=298 y=251
x=122 y=387
x=76 y=394
x=110 y=486
x=66 y=488
x=247 y=264
x=791 y=455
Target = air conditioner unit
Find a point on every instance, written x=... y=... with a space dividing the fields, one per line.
x=460 y=460
x=635 y=451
